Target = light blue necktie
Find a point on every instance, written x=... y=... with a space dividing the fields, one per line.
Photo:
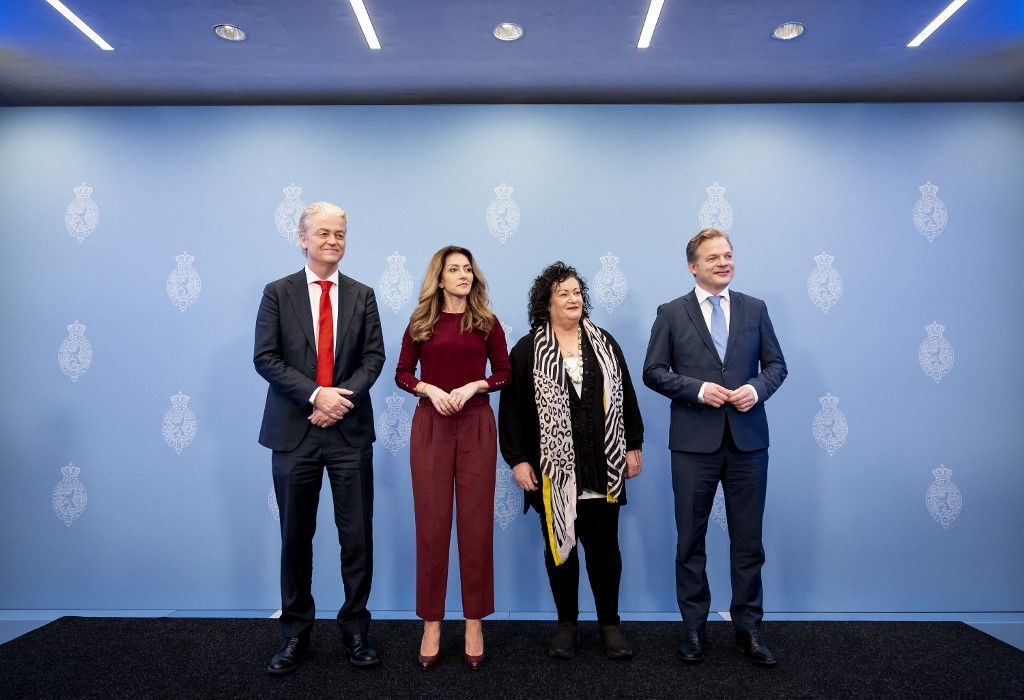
x=719 y=333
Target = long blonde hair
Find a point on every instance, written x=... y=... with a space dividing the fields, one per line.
x=478 y=316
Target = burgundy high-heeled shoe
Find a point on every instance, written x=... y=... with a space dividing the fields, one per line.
x=425 y=663
x=474 y=663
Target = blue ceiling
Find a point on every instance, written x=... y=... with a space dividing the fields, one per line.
x=312 y=52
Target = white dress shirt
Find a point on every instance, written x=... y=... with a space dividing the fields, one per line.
x=705 y=308
x=705 y=305
x=314 y=304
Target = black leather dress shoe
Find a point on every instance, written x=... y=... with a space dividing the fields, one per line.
x=752 y=646
x=292 y=652
x=692 y=648
x=565 y=641
x=357 y=648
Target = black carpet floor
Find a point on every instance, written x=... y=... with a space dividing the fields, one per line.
x=76 y=657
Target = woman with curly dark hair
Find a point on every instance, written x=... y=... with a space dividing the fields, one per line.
x=452 y=335
x=570 y=428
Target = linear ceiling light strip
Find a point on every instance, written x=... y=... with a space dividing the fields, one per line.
x=82 y=26
x=936 y=23
x=653 y=12
x=365 y=24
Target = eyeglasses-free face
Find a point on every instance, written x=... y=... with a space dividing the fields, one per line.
x=323 y=239
x=566 y=305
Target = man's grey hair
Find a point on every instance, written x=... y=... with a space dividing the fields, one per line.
x=318 y=208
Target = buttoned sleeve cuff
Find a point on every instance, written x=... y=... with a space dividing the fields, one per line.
x=497 y=381
x=407 y=381
x=312 y=397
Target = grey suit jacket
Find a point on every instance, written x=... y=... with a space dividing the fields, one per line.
x=285 y=355
x=681 y=356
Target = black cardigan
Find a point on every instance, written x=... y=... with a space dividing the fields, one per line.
x=519 y=426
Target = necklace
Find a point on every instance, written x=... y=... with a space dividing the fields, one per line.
x=575 y=369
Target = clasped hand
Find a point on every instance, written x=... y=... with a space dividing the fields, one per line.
x=448 y=403
x=330 y=406
x=717 y=396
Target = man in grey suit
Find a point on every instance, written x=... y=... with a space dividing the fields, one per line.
x=319 y=346
x=714 y=353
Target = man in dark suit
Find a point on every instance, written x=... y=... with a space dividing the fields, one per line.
x=715 y=354
x=320 y=347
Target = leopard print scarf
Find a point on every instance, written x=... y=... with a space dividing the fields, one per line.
x=557 y=456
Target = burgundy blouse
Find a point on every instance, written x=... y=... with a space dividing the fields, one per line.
x=450 y=359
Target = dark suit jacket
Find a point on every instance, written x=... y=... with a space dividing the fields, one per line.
x=681 y=357
x=285 y=355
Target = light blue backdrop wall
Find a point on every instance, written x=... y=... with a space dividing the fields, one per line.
x=847 y=531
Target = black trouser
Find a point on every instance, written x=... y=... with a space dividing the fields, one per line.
x=744 y=477
x=597 y=529
x=297 y=479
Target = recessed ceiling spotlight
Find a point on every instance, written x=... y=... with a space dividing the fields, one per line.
x=229 y=32
x=787 y=31
x=508 y=31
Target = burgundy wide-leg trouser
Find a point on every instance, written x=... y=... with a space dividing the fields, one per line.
x=454 y=455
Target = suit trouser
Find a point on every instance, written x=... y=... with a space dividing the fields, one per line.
x=695 y=478
x=297 y=479
x=454 y=456
x=597 y=530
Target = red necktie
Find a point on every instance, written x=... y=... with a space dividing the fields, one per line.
x=325 y=339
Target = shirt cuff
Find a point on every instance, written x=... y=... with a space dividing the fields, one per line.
x=700 y=394
x=752 y=391
x=312 y=397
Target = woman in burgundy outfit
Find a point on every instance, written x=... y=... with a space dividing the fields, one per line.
x=452 y=335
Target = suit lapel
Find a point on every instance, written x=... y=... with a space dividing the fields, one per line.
x=346 y=309
x=298 y=295
x=736 y=309
x=697 y=318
